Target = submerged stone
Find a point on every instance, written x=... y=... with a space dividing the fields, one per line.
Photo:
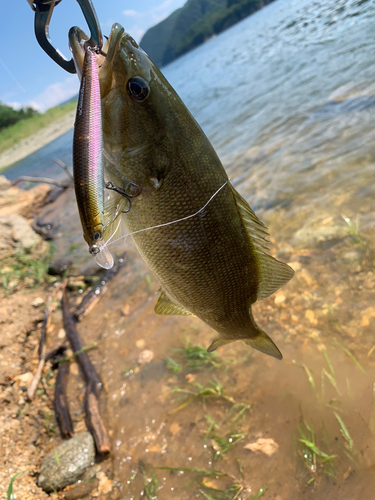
x=66 y=463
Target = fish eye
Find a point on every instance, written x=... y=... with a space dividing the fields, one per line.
x=137 y=88
x=96 y=236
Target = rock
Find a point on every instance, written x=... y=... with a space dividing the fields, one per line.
x=352 y=256
x=57 y=267
x=18 y=235
x=105 y=485
x=26 y=378
x=18 y=201
x=318 y=237
x=279 y=299
x=65 y=464
x=61 y=334
x=86 y=485
x=37 y=302
x=145 y=356
x=266 y=446
x=4 y=182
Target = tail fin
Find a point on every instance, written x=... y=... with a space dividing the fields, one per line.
x=263 y=343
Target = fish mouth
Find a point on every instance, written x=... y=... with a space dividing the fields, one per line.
x=78 y=45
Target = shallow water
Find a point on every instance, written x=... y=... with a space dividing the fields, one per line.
x=287 y=98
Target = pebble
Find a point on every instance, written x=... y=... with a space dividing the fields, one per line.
x=145 y=356
x=74 y=457
x=37 y=302
x=61 y=334
x=279 y=299
x=266 y=446
x=26 y=378
x=140 y=343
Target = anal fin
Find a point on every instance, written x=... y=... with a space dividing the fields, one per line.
x=218 y=342
x=165 y=306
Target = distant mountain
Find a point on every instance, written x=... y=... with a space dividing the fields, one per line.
x=193 y=24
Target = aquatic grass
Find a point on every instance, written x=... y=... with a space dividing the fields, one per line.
x=259 y=493
x=351 y=356
x=196 y=357
x=331 y=380
x=172 y=365
x=231 y=493
x=10 y=494
x=150 y=485
x=212 y=425
x=223 y=445
x=57 y=458
x=349 y=444
x=241 y=409
x=315 y=460
x=213 y=390
x=353 y=230
x=84 y=348
x=310 y=377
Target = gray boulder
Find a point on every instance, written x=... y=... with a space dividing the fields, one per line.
x=66 y=463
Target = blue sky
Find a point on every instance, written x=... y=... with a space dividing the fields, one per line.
x=28 y=76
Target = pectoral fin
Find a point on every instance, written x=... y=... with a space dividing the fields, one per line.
x=165 y=306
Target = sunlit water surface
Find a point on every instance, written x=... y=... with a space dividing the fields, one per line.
x=287 y=98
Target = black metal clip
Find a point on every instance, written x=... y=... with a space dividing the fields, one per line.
x=43 y=12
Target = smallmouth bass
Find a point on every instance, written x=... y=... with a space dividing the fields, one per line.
x=212 y=265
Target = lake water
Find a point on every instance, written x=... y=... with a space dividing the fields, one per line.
x=287 y=98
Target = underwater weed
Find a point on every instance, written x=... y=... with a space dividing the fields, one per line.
x=213 y=390
x=173 y=366
x=349 y=444
x=351 y=356
x=196 y=357
x=353 y=230
x=315 y=460
x=150 y=487
x=239 y=409
x=10 y=495
x=222 y=445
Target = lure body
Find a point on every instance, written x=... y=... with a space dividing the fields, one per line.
x=88 y=161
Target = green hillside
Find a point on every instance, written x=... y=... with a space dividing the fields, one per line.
x=193 y=24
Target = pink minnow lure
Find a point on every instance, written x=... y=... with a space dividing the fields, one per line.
x=88 y=161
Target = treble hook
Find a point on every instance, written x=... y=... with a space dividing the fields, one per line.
x=43 y=12
x=123 y=193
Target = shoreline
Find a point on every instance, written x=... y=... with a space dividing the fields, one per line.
x=30 y=144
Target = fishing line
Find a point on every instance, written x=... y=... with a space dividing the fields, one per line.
x=169 y=223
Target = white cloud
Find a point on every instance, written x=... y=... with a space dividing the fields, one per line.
x=55 y=94
x=130 y=13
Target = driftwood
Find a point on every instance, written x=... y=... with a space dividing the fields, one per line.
x=94 y=421
x=61 y=402
x=41 y=351
x=94 y=295
x=44 y=180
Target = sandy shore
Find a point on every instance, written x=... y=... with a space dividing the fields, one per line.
x=37 y=140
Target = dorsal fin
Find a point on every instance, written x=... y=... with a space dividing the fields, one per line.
x=165 y=306
x=272 y=273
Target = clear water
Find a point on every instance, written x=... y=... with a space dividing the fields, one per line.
x=287 y=98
